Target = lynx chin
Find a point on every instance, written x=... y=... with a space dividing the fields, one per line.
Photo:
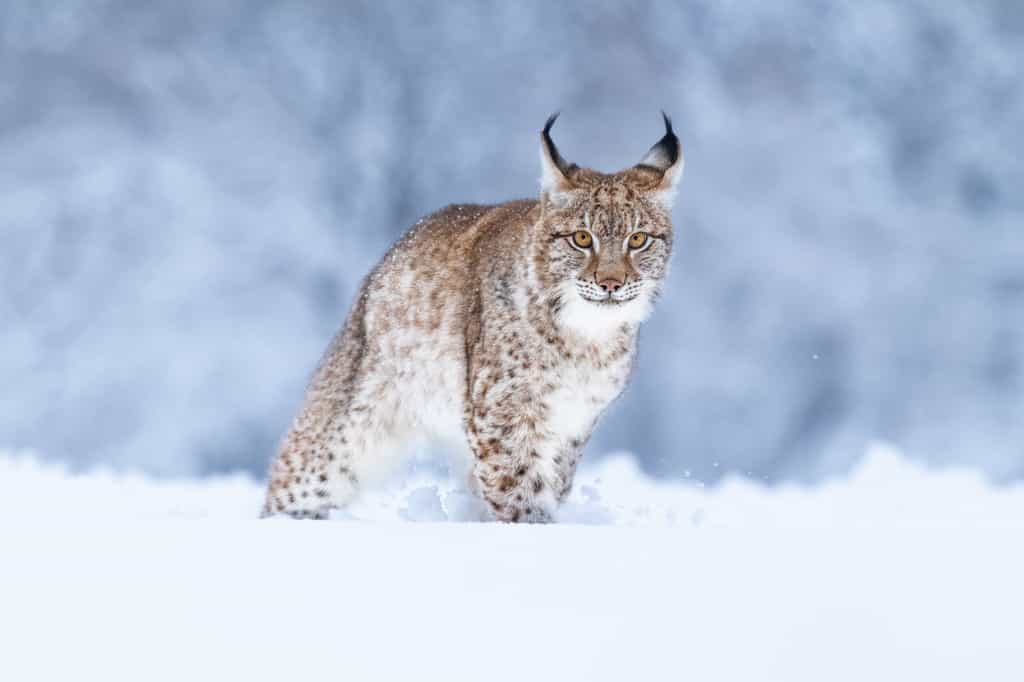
x=509 y=327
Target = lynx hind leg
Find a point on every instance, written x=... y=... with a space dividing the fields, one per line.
x=324 y=468
x=306 y=483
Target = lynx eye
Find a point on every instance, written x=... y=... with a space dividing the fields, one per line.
x=637 y=240
x=582 y=239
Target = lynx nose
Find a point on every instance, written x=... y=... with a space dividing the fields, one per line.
x=610 y=285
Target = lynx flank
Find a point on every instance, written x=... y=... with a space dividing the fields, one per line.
x=510 y=327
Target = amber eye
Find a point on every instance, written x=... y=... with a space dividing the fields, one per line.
x=638 y=239
x=582 y=239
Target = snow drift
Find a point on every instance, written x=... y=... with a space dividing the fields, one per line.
x=885 y=490
x=895 y=573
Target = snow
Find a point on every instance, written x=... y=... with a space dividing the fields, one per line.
x=896 y=572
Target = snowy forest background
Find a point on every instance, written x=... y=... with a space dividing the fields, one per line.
x=190 y=192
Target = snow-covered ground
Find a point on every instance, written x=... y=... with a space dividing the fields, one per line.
x=894 y=573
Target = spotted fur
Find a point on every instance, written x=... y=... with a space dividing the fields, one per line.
x=488 y=325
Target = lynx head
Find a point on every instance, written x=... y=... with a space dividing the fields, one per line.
x=605 y=238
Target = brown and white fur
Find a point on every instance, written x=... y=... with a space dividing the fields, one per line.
x=492 y=325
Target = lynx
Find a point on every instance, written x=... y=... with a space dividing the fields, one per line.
x=511 y=327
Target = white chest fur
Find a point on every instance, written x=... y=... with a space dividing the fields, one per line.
x=582 y=392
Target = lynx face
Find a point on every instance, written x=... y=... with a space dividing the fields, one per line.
x=606 y=238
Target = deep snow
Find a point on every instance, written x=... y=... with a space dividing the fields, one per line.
x=894 y=573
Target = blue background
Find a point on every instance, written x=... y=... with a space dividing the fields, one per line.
x=190 y=192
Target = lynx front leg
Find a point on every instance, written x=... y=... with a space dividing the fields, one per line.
x=521 y=474
x=515 y=491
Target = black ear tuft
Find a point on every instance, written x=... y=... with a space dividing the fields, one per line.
x=670 y=140
x=666 y=151
x=563 y=166
x=551 y=122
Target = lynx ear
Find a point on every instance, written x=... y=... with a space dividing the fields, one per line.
x=555 y=184
x=665 y=157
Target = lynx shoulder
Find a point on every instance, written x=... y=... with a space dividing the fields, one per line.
x=509 y=328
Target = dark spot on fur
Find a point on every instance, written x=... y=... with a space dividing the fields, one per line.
x=349 y=474
x=538 y=485
x=503 y=292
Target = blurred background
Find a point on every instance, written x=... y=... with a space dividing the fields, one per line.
x=190 y=192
